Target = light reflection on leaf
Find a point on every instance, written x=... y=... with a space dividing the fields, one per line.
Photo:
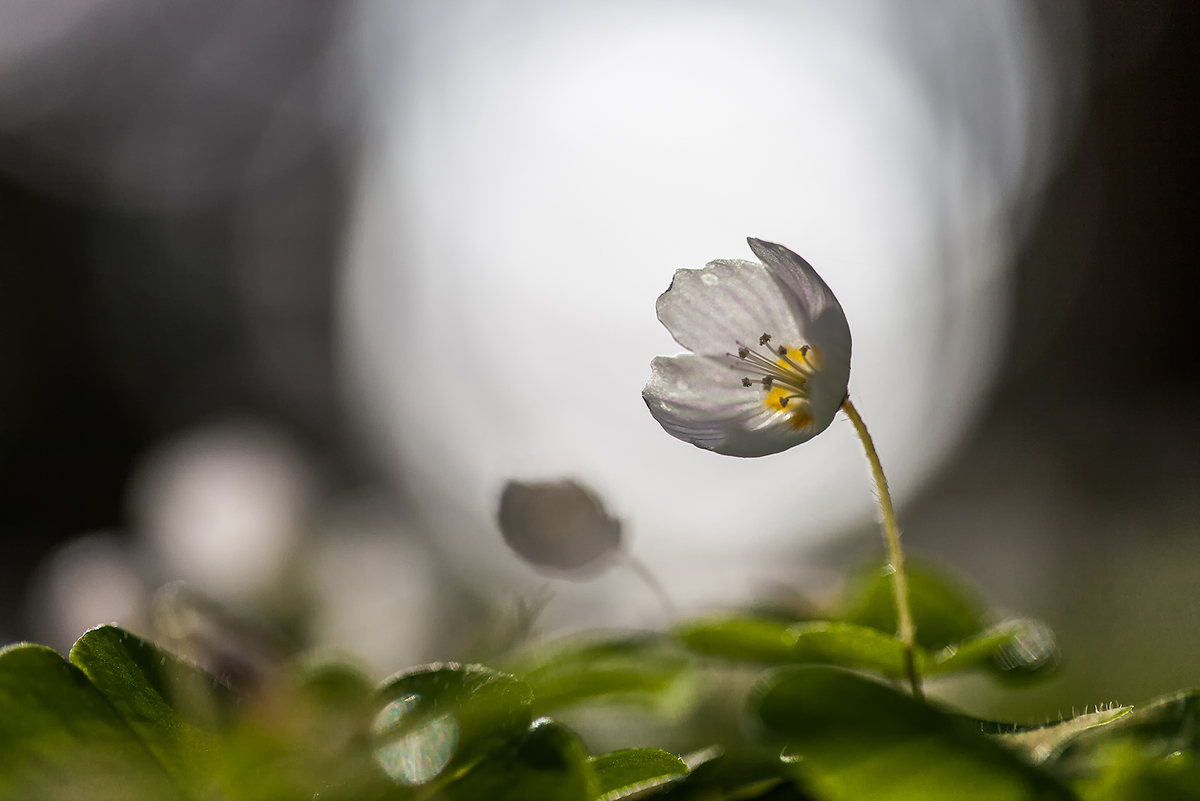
x=421 y=753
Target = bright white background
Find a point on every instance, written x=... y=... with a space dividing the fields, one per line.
x=536 y=172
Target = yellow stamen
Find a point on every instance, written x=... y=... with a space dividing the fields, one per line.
x=783 y=400
x=775 y=399
x=801 y=420
x=806 y=356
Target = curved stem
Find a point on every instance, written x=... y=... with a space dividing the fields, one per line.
x=891 y=534
x=646 y=575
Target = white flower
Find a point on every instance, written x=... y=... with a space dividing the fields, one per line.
x=770 y=357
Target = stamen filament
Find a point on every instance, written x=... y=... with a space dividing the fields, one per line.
x=891 y=534
x=755 y=357
x=805 y=369
x=749 y=354
x=772 y=380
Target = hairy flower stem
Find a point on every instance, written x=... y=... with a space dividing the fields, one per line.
x=891 y=534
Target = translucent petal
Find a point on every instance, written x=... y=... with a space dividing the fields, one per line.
x=729 y=301
x=821 y=320
x=830 y=335
x=701 y=400
x=807 y=294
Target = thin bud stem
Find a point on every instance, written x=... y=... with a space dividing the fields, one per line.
x=647 y=576
x=891 y=535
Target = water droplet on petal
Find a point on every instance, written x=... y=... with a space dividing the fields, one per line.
x=710 y=279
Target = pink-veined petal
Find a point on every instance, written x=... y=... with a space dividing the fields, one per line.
x=701 y=400
x=729 y=301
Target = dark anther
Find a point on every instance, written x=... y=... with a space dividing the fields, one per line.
x=768 y=380
x=764 y=339
x=746 y=382
x=804 y=349
x=783 y=401
x=782 y=350
x=743 y=353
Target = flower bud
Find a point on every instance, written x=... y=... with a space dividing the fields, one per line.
x=558 y=525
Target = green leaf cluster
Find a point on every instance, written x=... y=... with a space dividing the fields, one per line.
x=750 y=705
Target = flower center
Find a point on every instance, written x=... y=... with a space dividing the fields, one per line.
x=783 y=372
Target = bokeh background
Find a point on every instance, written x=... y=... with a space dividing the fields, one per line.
x=288 y=291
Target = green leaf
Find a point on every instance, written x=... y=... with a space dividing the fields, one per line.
x=1164 y=726
x=170 y=704
x=1016 y=650
x=1153 y=752
x=312 y=736
x=848 y=645
x=60 y=737
x=621 y=774
x=330 y=713
x=333 y=702
x=435 y=721
x=644 y=668
x=546 y=764
x=737 y=770
x=769 y=641
x=331 y=683
x=1044 y=743
x=1123 y=773
x=741 y=638
x=944 y=609
x=850 y=738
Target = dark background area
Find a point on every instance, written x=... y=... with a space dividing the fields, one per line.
x=124 y=321
x=1105 y=288
x=1077 y=497
x=193 y=281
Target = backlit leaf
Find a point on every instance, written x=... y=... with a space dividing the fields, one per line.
x=851 y=738
x=771 y=641
x=438 y=719
x=622 y=774
x=60 y=737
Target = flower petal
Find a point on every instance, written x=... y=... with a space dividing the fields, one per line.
x=701 y=400
x=729 y=301
x=810 y=297
x=830 y=335
x=822 y=322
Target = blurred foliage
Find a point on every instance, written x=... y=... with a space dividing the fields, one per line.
x=758 y=706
